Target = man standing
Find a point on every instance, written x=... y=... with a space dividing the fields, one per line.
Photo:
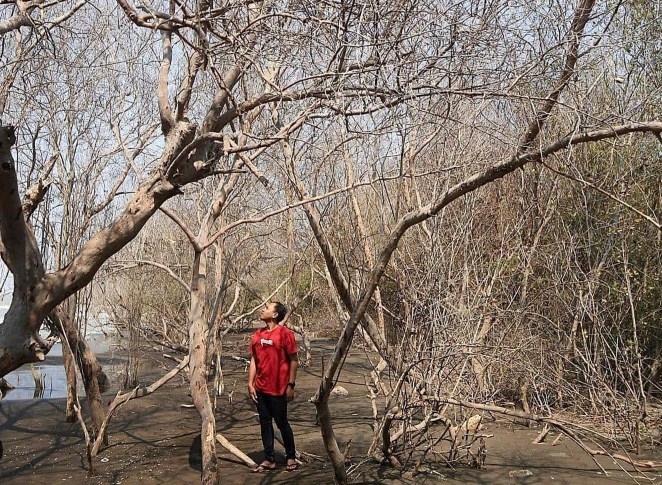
x=271 y=380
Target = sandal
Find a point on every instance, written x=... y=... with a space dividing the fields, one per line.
x=264 y=467
x=291 y=467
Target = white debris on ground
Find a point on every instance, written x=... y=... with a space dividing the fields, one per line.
x=339 y=391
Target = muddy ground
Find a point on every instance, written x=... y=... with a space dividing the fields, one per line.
x=154 y=440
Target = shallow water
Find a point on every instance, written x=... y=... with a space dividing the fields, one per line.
x=52 y=371
x=53 y=378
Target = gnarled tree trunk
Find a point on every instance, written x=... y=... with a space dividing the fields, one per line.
x=94 y=378
x=198 y=335
x=19 y=341
x=37 y=293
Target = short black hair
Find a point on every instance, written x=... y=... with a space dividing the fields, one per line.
x=281 y=311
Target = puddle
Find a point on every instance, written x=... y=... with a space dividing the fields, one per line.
x=105 y=345
x=53 y=376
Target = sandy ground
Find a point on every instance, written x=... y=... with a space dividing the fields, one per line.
x=154 y=440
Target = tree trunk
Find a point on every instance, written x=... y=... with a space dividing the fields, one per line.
x=367 y=250
x=19 y=343
x=70 y=372
x=329 y=438
x=476 y=360
x=198 y=340
x=37 y=293
x=69 y=361
x=94 y=378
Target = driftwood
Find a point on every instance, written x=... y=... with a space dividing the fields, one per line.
x=559 y=425
x=542 y=435
x=88 y=441
x=235 y=451
x=121 y=399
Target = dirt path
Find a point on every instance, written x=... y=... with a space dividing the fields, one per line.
x=155 y=441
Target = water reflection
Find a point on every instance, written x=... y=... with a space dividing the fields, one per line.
x=53 y=377
x=54 y=383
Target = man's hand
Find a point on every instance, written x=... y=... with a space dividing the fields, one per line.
x=252 y=393
x=289 y=394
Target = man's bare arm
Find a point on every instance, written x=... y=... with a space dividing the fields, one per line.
x=294 y=366
x=252 y=370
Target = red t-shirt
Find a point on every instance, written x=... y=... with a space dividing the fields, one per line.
x=271 y=351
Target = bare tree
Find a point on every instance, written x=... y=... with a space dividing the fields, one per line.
x=416 y=109
x=533 y=146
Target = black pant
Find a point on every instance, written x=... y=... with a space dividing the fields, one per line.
x=274 y=408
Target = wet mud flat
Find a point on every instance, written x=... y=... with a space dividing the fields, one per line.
x=155 y=440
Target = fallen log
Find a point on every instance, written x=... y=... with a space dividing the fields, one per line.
x=235 y=451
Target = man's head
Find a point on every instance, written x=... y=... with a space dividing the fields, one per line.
x=274 y=310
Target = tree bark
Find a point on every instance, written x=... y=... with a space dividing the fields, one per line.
x=72 y=388
x=94 y=378
x=198 y=338
x=19 y=343
x=36 y=294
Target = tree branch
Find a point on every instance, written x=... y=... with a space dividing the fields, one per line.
x=561 y=426
x=193 y=239
x=138 y=392
x=167 y=119
x=177 y=278
x=582 y=15
x=591 y=185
